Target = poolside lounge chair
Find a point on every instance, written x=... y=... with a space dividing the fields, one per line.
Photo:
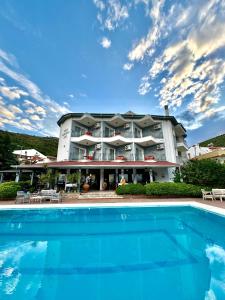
x=218 y=194
x=57 y=197
x=207 y=195
x=22 y=197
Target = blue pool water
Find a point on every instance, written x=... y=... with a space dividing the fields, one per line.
x=112 y=253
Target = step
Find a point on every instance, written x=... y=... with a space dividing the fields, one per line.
x=93 y=195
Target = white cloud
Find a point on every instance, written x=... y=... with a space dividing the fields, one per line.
x=99 y=4
x=105 y=42
x=128 y=66
x=40 y=112
x=146 y=45
x=111 y=14
x=12 y=92
x=190 y=70
x=25 y=122
x=15 y=109
x=36 y=118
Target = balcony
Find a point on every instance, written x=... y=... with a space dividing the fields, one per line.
x=182 y=145
x=88 y=139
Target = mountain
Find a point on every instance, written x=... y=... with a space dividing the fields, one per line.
x=218 y=141
x=46 y=145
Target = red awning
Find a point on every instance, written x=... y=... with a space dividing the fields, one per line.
x=100 y=164
x=111 y=164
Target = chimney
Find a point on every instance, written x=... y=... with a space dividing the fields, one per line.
x=166 y=110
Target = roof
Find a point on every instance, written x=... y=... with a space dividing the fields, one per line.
x=213 y=154
x=106 y=164
x=127 y=115
x=28 y=152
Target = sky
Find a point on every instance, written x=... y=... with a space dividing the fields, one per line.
x=60 y=56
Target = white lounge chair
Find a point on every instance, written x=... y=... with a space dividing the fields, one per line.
x=57 y=197
x=218 y=194
x=207 y=195
x=22 y=197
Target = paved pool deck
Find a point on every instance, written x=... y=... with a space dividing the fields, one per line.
x=75 y=201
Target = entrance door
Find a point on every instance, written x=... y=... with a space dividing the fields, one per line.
x=93 y=178
x=110 y=178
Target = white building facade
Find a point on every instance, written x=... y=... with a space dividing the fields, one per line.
x=140 y=148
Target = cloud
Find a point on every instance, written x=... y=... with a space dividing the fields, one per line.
x=105 y=42
x=99 y=4
x=146 y=45
x=12 y=92
x=111 y=14
x=128 y=66
x=36 y=118
x=40 y=112
x=15 y=109
x=185 y=48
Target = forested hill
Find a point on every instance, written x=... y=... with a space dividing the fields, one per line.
x=46 y=145
x=218 y=141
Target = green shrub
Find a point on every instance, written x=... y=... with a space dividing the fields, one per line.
x=206 y=172
x=173 y=189
x=9 y=189
x=131 y=189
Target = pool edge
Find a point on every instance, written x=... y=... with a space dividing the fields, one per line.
x=195 y=204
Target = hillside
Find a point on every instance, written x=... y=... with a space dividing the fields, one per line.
x=46 y=145
x=218 y=141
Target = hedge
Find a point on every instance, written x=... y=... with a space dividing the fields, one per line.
x=173 y=189
x=131 y=188
x=9 y=189
x=161 y=189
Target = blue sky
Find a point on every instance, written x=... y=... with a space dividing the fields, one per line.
x=112 y=56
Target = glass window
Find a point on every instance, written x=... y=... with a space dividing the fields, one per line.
x=137 y=133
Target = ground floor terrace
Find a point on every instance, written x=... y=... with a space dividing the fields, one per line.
x=99 y=175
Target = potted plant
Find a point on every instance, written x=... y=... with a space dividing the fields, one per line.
x=149 y=157
x=88 y=132
x=121 y=157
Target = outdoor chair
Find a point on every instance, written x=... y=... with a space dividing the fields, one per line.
x=57 y=197
x=218 y=194
x=22 y=197
x=207 y=195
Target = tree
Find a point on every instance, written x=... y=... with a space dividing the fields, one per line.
x=7 y=158
x=204 y=172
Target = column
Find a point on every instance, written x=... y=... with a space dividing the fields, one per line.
x=32 y=178
x=134 y=175
x=1 y=177
x=17 y=176
x=117 y=178
x=101 y=179
x=150 y=175
x=67 y=173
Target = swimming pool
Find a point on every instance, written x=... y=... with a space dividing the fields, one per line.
x=112 y=253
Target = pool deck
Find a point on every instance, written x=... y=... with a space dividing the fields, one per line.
x=132 y=199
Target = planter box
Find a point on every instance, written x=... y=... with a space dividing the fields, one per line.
x=149 y=157
x=121 y=157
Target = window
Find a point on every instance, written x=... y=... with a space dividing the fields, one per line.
x=108 y=132
x=138 y=154
x=109 y=154
x=79 y=153
x=137 y=133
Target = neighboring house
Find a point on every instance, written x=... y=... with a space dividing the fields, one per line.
x=216 y=154
x=32 y=156
x=142 y=148
x=197 y=150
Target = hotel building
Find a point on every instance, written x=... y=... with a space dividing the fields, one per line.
x=141 y=148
